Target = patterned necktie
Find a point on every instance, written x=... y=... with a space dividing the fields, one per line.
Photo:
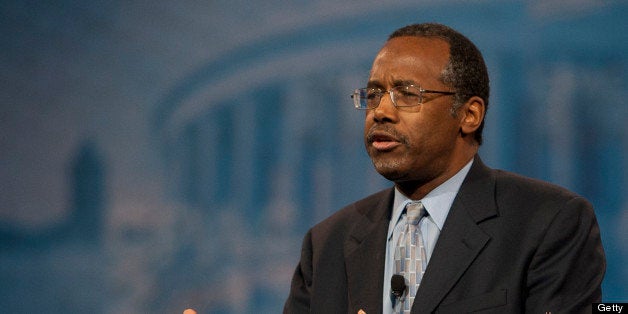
x=410 y=261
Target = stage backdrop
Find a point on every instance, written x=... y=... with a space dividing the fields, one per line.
x=159 y=155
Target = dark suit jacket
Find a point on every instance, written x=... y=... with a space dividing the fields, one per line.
x=509 y=245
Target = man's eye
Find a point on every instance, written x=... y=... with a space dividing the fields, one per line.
x=372 y=94
x=406 y=93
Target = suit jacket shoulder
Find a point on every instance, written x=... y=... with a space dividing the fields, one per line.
x=342 y=260
x=517 y=186
x=514 y=244
x=373 y=208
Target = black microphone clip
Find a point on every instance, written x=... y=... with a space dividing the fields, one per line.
x=398 y=285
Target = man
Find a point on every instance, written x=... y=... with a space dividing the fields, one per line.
x=484 y=240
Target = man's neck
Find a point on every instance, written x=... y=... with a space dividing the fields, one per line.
x=417 y=189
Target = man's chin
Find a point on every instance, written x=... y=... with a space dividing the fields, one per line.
x=390 y=172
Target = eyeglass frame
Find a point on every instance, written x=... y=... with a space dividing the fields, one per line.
x=357 y=99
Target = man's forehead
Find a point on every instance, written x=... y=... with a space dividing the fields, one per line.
x=415 y=45
x=403 y=57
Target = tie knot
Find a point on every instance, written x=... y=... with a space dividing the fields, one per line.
x=414 y=212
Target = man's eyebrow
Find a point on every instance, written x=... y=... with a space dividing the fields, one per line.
x=378 y=84
x=404 y=83
x=374 y=84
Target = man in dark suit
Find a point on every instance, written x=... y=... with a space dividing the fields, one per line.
x=486 y=240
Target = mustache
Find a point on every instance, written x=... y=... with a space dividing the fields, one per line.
x=386 y=129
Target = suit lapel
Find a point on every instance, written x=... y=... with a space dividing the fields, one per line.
x=365 y=253
x=461 y=239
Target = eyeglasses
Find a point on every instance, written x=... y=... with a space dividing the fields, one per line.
x=401 y=96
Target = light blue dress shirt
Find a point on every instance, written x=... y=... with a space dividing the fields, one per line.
x=437 y=203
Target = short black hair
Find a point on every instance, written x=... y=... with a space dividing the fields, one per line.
x=466 y=71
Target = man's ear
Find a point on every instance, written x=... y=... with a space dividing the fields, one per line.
x=471 y=115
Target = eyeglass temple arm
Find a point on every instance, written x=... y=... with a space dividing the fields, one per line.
x=437 y=92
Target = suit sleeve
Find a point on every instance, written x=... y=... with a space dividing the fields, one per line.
x=301 y=286
x=566 y=272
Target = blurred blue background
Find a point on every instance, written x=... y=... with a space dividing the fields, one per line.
x=162 y=155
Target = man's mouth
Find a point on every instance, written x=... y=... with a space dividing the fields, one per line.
x=383 y=141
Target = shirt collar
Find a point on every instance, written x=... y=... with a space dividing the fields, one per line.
x=437 y=202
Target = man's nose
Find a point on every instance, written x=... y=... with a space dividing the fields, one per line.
x=386 y=111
